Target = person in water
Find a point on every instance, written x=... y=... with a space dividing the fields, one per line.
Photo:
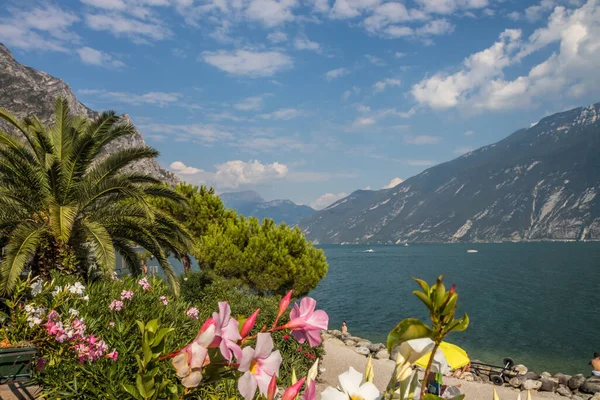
x=344 y=327
x=595 y=363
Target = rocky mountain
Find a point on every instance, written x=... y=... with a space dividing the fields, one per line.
x=540 y=183
x=25 y=91
x=251 y=204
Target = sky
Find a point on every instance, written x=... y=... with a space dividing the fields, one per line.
x=310 y=100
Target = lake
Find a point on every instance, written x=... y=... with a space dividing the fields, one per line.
x=538 y=303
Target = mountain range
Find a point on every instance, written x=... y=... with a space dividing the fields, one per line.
x=25 y=91
x=539 y=183
x=251 y=204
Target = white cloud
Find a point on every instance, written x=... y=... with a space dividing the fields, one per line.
x=375 y=60
x=327 y=199
x=282 y=114
x=567 y=73
x=183 y=169
x=363 y=108
x=336 y=73
x=463 y=149
x=233 y=174
x=97 y=57
x=383 y=84
x=534 y=13
x=399 y=54
x=250 y=103
x=435 y=28
x=361 y=122
x=121 y=25
x=106 y=4
x=191 y=132
x=469 y=133
x=277 y=37
x=419 y=163
x=304 y=43
x=450 y=6
x=248 y=63
x=393 y=183
x=271 y=12
x=161 y=99
x=344 y=9
x=422 y=139
x=41 y=28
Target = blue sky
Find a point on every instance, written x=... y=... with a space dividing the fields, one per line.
x=312 y=99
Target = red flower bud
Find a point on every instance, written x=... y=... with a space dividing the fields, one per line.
x=249 y=324
x=272 y=391
x=291 y=392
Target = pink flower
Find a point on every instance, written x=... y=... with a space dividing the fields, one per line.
x=283 y=305
x=291 y=392
x=144 y=283
x=126 y=295
x=116 y=305
x=192 y=313
x=286 y=337
x=190 y=360
x=311 y=391
x=258 y=366
x=113 y=355
x=41 y=364
x=306 y=323
x=111 y=324
x=53 y=315
x=227 y=329
x=164 y=300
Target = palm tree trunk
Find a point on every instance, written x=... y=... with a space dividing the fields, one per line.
x=187 y=263
x=428 y=370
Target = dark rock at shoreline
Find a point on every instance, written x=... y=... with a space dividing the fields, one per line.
x=563 y=379
x=530 y=384
x=591 y=385
x=576 y=381
x=375 y=347
x=564 y=391
x=549 y=384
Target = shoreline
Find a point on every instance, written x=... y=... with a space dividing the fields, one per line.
x=345 y=350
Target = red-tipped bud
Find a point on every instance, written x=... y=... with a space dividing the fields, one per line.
x=249 y=324
x=207 y=323
x=272 y=391
x=291 y=392
x=284 y=304
x=452 y=290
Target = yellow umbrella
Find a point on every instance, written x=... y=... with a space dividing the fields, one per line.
x=454 y=355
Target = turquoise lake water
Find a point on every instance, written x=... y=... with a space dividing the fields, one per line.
x=538 y=303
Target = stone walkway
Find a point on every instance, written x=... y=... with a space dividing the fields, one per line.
x=16 y=391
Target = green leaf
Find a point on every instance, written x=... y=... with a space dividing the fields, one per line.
x=147 y=353
x=407 y=329
x=141 y=325
x=160 y=335
x=440 y=294
x=152 y=326
x=424 y=298
x=132 y=391
x=139 y=384
x=424 y=286
x=451 y=305
x=460 y=325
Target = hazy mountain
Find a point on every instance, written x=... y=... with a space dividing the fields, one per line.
x=251 y=204
x=540 y=183
x=25 y=91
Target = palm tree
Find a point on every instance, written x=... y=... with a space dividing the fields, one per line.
x=65 y=203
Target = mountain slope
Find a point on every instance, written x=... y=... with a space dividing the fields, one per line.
x=539 y=183
x=251 y=204
x=25 y=91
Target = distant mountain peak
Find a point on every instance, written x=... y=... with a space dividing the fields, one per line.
x=251 y=204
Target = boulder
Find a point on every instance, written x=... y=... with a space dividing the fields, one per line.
x=563 y=379
x=364 y=343
x=516 y=381
x=467 y=376
x=375 y=347
x=532 y=375
x=576 y=381
x=382 y=354
x=548 y=384
x=591 y=385
x=350 y=343
x=477 y=378
x=335 y=333
x=546 y=374
x=362 y=350
x=520 y=369
x=596 y=396
x=564 y=391
x=578 y=398
x=326 y=335
x=355 y=338
x=530 y=384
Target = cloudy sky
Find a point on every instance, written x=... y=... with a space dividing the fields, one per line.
x=312 y=99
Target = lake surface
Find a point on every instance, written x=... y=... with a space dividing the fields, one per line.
x=538 y=303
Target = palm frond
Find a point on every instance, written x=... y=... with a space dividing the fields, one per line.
x=62 y=219
x=114 y=163
x=21 y=247
x=102 y=245
x=60 y=133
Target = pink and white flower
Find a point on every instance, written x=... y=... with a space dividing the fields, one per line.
x=164 y=300
x=259 y=365
x=144 y=283
x=113 y=355
x=190 y=360
x=306 y=323
x=227 y=332
x=192 y=313
x=351 y=388
x=116 y=305
x=126 y=295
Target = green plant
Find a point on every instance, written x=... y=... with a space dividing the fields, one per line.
x=65 y=205
x=149 y=382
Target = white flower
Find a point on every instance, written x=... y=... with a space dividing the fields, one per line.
x=77 y=288
x=36 y=287
x=29 y=308
x=73 y=312
x=86 y=298
x=351 y=388
x=57 y=290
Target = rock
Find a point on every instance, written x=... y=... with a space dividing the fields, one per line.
x=344 y=336
x=326 y=335
x=564 y=391
x=595 y=397
x=546 y=375
x=477 y=378
x=548 y=384
x=467 y=376
x=516 y=381
x=530 y=384
x=577 y=398
x=335 y=333
x=350 y=343
x=375 y=347
x=520 y=369
x=364 y=343
x=532 y=375
x=354 y=338
x=382 y=354
x=576 y=381
x=362 y=350
x=563 y=379
x=591 y=385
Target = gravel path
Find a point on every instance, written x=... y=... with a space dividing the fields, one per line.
x=339 y=358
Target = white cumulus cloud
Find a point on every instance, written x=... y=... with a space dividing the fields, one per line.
x=281 y=114
x=327 y=199
x=248 y=63
x=233 y=174
x=336 y=73
x=96 y=57
x=181 y=168
x=380 y=86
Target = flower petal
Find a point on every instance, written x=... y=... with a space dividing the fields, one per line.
x=314 y=338
x=307 y=305
x=193 y=379
x=368 y=391
x=247 y=385
x=247 y=356
x=350 y=381
x=264 y=345
x=271 y=364
x=198 y=355
x=180 y=362
x=207 y=337
x=333 y=394
x=319 y=320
